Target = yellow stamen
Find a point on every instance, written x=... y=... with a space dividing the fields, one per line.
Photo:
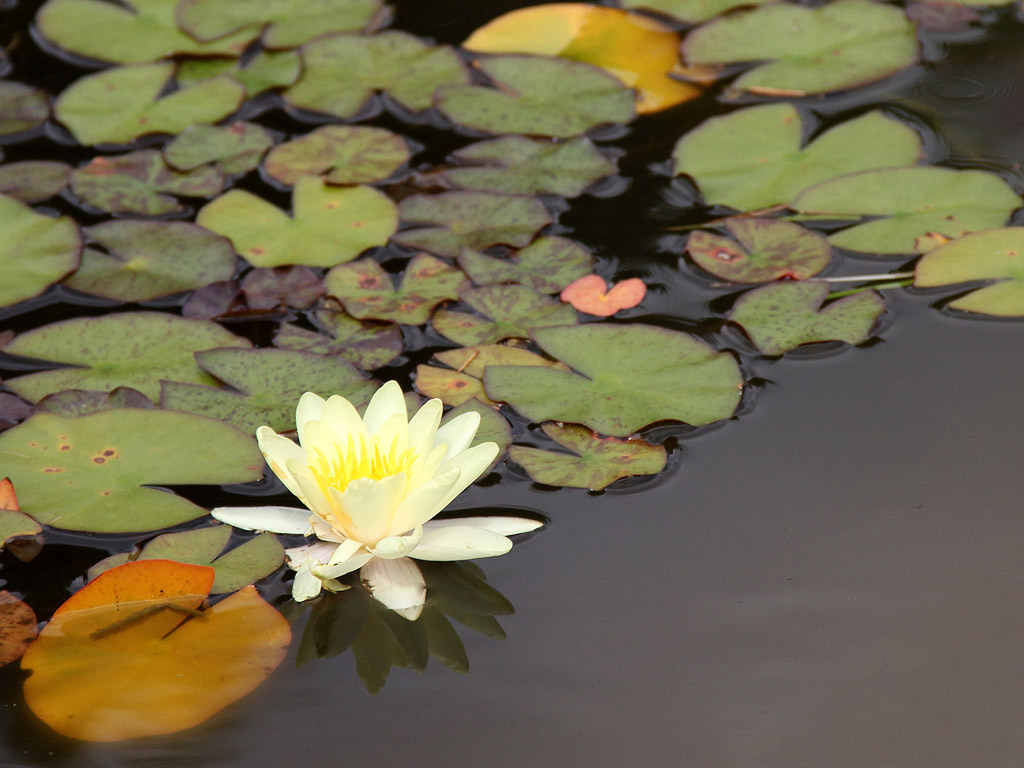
x=357 y=460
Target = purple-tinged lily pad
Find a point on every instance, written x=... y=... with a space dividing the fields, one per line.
x=212 y=300
x=80 y=402
x=136 y=183
x=297 y=287
x=142 y=260
x=781 y=317
x=35 y=251
x=368 y=293
x=364 y=343
x=595 y=461
x=231 y=149
x=510 y=311
x=760 y=250
x=12 y=410
x=461 y=380
x=339 y=154
x=22 y=107
x=263 y=72
x=470 y=220
x=548 y=264
x=32 y=181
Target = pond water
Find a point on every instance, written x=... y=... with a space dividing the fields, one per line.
x=830 y=578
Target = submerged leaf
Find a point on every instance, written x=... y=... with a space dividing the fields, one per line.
x=17 y=627
x=339 y=154
x=35 y=251
x=763 y=250
x=548 y=264
x=513 y=312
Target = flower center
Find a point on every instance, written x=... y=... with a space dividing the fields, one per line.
x=356 y=460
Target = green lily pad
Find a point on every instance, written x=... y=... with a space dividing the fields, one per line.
x=35 y=252
x=628 y=376
x=461 y=381
x=342 y=72
x=752 y=158
x=761 y=250
x=297 y=287
x=781 y=317
x=844 y=44
x=80 y=402
x=329 y=225
x=129 y=349
x=538 y=96
x=89 y=473
x=368 y=292
x=339 y=154
x=142 y=260
x=470 y=220
x=22 y=107
x=32 y=181
x=548 y=264
x=690 y=11
x=598 y=461
x=20 y=535
x=494 y=428
x=230 y=149
x=133 y=31
x=365 y=344
x=286 y=23
x=513 y=311
x=263 y=72
x=268 y=382
x=117 y=105
x=521 y=166
x=996 y=255
x=912 y=203
x=135 y=183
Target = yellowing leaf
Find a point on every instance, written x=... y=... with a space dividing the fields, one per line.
x=130 y=655
x=17 y=627
x=639 y=51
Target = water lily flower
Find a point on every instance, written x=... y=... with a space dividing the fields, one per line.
x=373 y=485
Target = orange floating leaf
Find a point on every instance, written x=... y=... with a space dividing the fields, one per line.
x=131 y=654
x=8 y=498
x=590 y=294
x=17 y=627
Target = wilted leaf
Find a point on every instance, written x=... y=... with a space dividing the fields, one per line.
x=512 y=311
x=235 y=148
x=32 y=181
x=35 y=251
x=762 y=250
x=22 y=107
x=461 y=382
x=17 y=627
x=591 y=294
x=548 y=264
x=339 y=154
x=364 y=343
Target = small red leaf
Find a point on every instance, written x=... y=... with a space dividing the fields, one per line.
x=590 y=294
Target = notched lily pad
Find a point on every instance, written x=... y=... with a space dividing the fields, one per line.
x=760 y=250
x=510 y=311
x=548 y=264
x=297 y=287
x=342 y=72
x=470 y=220
x=35 y=251
x=339 y=154
x=263 y=72
x=781 y=317
x=538 y=96
x=142 y=260
x=129 y=349
x=22 y=107
x=461 y=381
x=136 y=183
x=368 y=293
x=329 y=225
x=520 y=166
x=230 y=149
x=32 y=181
x=267 y=383
x=91 y=473
x=625 y=377
x=597 y=463
x=365 y=344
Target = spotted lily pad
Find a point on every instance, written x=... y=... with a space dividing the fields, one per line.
x=521 y=166
x=132 y=31
x=339 y=154
x=117 y=105
x=494 y=428
x=33 y=181
x=368 y=292
x=781 y=317
x=364 y=343
x=904 y=204
x=136 y=183
x=142 y=260
x=548 y=264
x=22 y=107
x=996 y=256
x=752 y=158
x=263 y=72
x=761 y=250
x=329 y=225
x=35 y=251
x=342 y=72
x=287 y=23
x=235 y=148
x=625 y=377
x=539 y=96
x=843 y=44
x=690 y=11
x=461 y=381
x=297 y=287
x=256 y=559
x=597 y=461
x=89 y=473
x=267 y=384
x=470 y=220
x=130 y=349
x=510 y=311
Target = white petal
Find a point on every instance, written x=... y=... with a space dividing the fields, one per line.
x=318 y=440
x=278 y=451
x=393 y=432
x=343 y=419
x=353 y=563
x=424 y=502
x=426 y=465
x=369 y=506
x=506 y=526
x=325 y=532
x=458 y=433
x=310 y=408
x=317 y=552
x=385 y=403
x=306 y=586
x=460 y=543
x=273 y=519
x=348 y=548
x=309 y=490
x=423 y=426
x=391 y=547
x=471 y=463
x=397 y=584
